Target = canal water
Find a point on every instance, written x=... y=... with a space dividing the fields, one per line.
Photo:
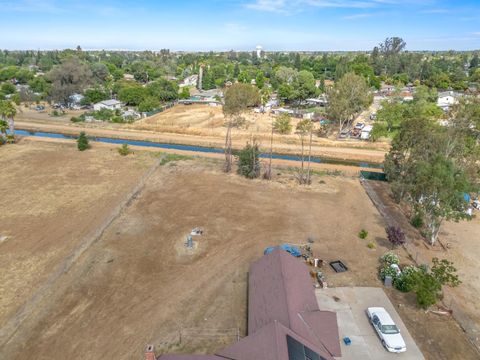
x=199 y=149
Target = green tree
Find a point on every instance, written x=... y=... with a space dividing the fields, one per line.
x=283 y=124
x=8 y=88
x=426 y=168
x=185 y=93
x=148 y=104
x=163 y=90
x=39 y=85
x=260 y=79
x=347 y=98
x=132 y=94
x=248 y=161
x=391 y=113
x=7 y=114
x=92 y=96
x=82 y=142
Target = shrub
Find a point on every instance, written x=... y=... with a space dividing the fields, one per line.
x=283 y=124
x=248 y=161
x=124 y=150
x=427 y=289
x=371 y=245
x=390 y=258
x=417 y=221
x=82 y=142
x=363 y=234
x=395 y=235
x=406 y=281
x=387 y=270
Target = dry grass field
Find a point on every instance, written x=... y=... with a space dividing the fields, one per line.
x=138 y=284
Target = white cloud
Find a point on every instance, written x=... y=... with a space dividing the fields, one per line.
x=268 y=5
x=357 y=16
x=283 y=6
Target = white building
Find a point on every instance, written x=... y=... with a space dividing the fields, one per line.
x=259 y=50
x=111 y=104
x=447 y=99
x=189 y=81
x=365 y=134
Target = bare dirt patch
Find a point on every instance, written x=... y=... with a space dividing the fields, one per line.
x=53 y=195
x=134 y=286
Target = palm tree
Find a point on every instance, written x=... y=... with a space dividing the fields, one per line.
x=8 y=112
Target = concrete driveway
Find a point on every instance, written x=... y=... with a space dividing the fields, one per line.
x=353 y=322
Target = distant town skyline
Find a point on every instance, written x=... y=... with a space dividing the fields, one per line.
x=277 y=25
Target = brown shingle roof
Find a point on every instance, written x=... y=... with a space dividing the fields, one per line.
x=281 y=302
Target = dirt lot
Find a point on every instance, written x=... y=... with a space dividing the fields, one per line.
x=204 y=120
x=52 y=195
x=137 y=284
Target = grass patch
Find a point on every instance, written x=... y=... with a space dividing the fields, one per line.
x=174 y=157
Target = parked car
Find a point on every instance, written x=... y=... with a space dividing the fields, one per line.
x=359 y=126
x=39 y=107
x=373 y=116
x=344 y=134
x=386 y=330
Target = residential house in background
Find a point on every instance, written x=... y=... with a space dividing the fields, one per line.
x=111 y=104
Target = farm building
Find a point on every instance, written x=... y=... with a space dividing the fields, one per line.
x=284 y=320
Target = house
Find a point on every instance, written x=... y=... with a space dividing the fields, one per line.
x=189 y=81
x=111 y=104
x=284 y=320
x=447 y=99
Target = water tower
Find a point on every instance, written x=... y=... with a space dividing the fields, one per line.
x=259 y=50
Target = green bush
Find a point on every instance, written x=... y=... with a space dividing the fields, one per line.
x=248 y=161
x=363 y=234
x=283 y=124
x=124 y=150
x=406 y=281
x=417 y=221
x=390 y=258
x=82 y=142
x=427 y=289
x=387 y=270
x=371 y=245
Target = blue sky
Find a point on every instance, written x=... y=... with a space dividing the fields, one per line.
x=239 y=24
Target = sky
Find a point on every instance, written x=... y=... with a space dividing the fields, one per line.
x=221 y=25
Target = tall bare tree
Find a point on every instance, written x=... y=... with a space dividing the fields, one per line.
x=305 y=130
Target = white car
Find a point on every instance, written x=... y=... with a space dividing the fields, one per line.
x=386 y=329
